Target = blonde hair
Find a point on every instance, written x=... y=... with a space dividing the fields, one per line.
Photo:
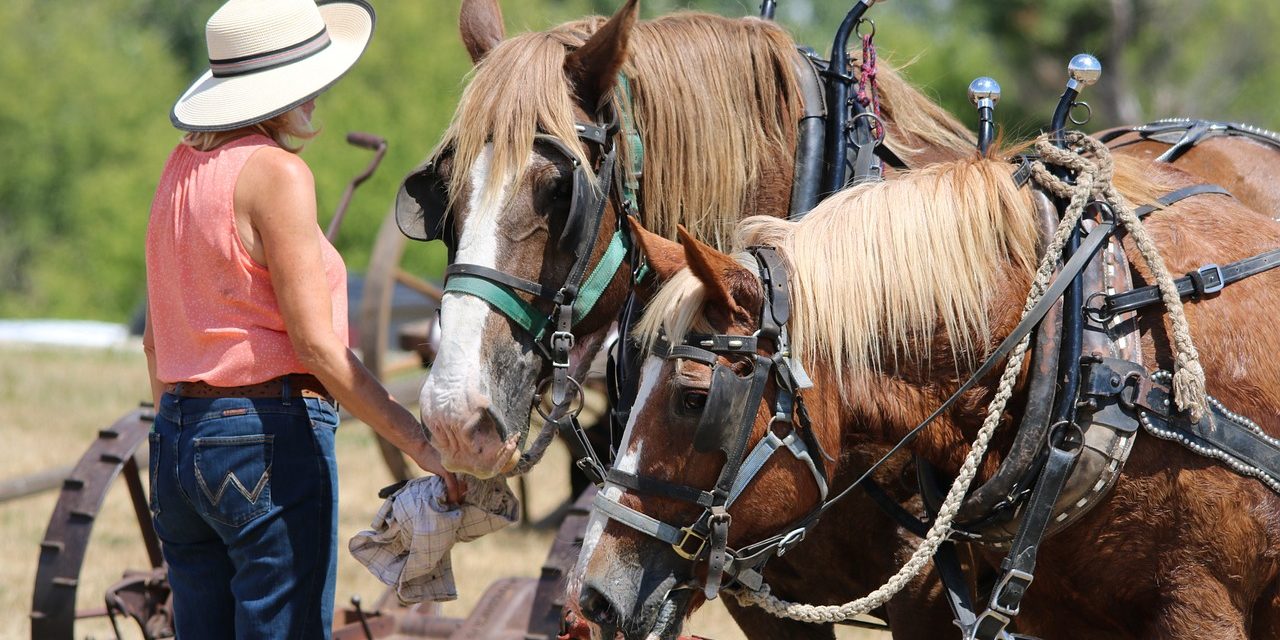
x=878 y=269
x=290 y=130
x=711 y=132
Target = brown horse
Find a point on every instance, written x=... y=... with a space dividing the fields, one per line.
x=694 y=79
x=897 y=289
x=715 y=104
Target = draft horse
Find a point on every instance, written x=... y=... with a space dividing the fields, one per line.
x=520 y=172
x=689 y=119
x=888 y=295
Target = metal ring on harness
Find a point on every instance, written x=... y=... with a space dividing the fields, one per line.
x=857 y=29
x=877 y=129
x=1088 y=113
x=576 y=390
x=1098 y=314
x=1062 y=427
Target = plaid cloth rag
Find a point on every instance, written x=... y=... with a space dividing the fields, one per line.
x=408 y=546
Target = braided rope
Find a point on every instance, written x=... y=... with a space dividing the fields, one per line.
x=1188 y=378
x=941 y=527
x=1093 y=177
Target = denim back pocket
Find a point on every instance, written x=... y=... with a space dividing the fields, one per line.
x=234 y=474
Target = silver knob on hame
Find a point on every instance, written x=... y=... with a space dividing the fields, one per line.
x=1083 y=70
x=984 y=92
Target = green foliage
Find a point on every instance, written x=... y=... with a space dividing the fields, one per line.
x=83 y=132
x=87 y=87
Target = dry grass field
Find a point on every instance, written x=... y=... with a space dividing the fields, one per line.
x=52 y=403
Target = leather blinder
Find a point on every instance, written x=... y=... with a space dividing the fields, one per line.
x=422 y=203
x=728 y=400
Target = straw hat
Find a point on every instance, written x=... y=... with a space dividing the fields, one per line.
x=269 y=56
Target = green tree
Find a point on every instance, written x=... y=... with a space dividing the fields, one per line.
x=83 y=132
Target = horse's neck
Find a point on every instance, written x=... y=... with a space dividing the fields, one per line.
x=885 y=409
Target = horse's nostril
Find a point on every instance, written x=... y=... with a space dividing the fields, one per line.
x=597 y=608
x=491 y=420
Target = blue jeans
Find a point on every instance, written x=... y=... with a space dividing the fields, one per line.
x=244 y=495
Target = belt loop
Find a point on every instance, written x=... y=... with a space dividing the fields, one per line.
x=284 y=389
x=177 y=393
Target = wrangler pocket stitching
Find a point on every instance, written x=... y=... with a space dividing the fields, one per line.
x=230 y=480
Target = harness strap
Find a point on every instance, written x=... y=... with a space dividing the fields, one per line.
x=523 y=314
x=1221 y=433
x=764 y=450
x=1177 y=195
x=1019 y=565
x=498 y=277
x=955 y=586
x=1205 y=281
x=1193 y=132
x=662 y=488
x=904 y=518
x=635 y=147
x=498 y=289
x=596 y=283
x=645 y=524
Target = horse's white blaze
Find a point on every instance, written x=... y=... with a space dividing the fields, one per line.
x=458 y=367
x=629 y=461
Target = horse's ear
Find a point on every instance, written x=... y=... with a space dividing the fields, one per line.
x=727 y=282
x=664 y=257
x=480 y=22
x=593 y=68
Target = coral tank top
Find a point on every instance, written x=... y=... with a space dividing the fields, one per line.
x=214 y=315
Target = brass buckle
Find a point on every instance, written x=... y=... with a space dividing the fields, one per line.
x=680 y=546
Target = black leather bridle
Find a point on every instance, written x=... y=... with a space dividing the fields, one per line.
x=421 y=213
x=726 y=425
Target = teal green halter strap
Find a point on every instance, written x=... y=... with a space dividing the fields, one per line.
x=635 y=147
x=503 y=300
x=507 y=302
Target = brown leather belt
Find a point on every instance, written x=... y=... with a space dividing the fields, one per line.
x=300 y=384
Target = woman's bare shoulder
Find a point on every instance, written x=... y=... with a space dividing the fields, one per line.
x=274 y=182
x=273 y=165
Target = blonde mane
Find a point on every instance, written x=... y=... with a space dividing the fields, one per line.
x=711 y=131
x=921 y=131
x=716 y=102
x=879 y=269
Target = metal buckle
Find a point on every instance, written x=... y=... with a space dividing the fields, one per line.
x=1216 y=270
x=793 y=537
x=989 y=626
x=680 y=546
x=1008 y=578
x=561 y=342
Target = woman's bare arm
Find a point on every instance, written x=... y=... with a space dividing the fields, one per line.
x=149 y=348
x=278 y=191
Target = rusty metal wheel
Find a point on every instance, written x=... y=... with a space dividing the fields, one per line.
x=143 y=594
x=386 y=283
x=547 y=618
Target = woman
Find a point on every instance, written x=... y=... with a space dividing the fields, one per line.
x=246 y=333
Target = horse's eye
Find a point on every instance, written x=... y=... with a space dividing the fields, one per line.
x=693 y=401
x=563 y=189
x=553 y=194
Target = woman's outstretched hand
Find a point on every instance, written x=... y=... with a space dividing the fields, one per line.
x=428 y=459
